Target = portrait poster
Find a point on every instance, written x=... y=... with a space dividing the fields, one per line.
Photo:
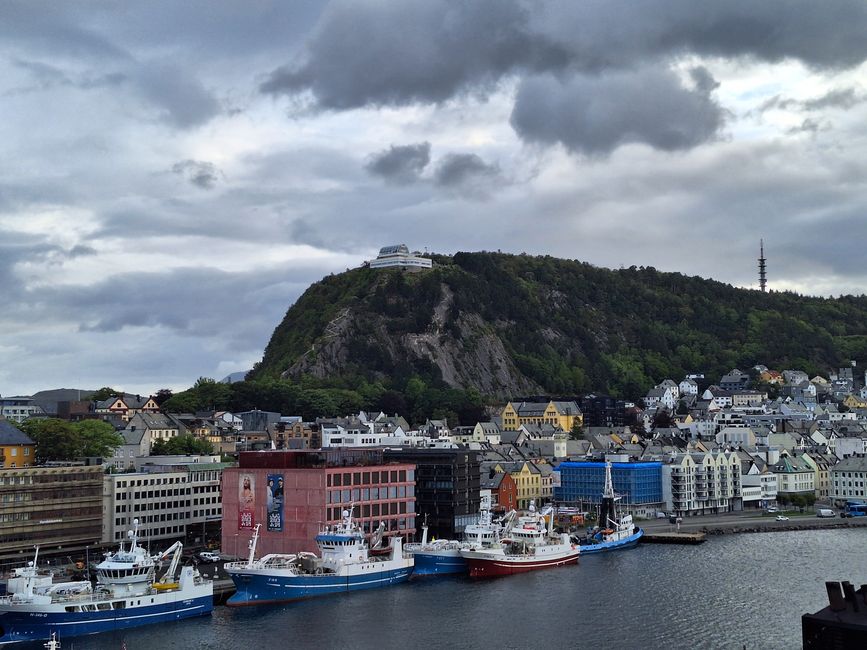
x=246 y=501
x=275 y=502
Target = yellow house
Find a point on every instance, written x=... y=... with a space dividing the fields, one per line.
x=854 y=402
x=528 y=481
x=16 y=448
x=560 y=414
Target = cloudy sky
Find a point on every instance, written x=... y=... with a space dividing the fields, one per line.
x=174 y=175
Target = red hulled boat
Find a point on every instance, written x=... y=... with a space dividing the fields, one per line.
x=528 y=546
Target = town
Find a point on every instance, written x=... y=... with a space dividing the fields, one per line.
x=761 y=441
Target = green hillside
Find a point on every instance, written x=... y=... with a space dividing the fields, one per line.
x=512 y=324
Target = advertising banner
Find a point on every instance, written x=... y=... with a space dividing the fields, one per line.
x=246 y=501
x=275 y=502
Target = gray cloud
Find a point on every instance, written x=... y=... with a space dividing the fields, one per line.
x=370 y=53
x=400 y=163
x=595 y=115
x=184 y=101
x=809 y=125
x=416 y=51
x=200 y=173
x=459 y=169
x=843 y=98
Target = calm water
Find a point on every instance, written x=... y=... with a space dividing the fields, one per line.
x=729 y=592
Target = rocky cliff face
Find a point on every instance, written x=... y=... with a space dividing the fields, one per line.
x=468 y=354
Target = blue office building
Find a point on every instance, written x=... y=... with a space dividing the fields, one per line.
x=640 y=484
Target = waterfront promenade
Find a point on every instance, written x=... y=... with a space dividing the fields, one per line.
x=748 y=522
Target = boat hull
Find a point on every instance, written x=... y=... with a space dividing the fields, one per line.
x=259 y=588
x=602 y=547
x=34 y=623
x=481 y=567
x=431 y=563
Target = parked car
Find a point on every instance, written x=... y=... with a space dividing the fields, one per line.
x=208 y=556
x=825 y=512
x=772 y=509
x=782 y=518
x=661 y=515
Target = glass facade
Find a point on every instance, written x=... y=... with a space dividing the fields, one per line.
x=638 y=483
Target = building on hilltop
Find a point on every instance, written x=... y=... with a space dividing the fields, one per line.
x=399 y=257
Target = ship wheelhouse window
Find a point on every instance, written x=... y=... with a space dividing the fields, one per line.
x=118 y=604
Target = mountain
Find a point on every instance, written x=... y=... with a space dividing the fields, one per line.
x=48 y=399
x=511 y=325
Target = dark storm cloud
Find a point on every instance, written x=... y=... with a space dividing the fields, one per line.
x=400 y=163
x=458 y=169
x=378 y=53
x=200 y=173
x=597 y=114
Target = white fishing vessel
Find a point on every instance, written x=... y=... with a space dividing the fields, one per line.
x=126 y=595
x=530 y=545
x=344 y=564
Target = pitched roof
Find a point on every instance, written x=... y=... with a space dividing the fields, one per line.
x=12 y=435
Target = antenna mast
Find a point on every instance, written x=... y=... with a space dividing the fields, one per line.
x=763 y=279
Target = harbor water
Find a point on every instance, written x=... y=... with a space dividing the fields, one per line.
x=734 y=591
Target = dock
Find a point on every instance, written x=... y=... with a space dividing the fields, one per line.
x=222 y=590
x=673 y=538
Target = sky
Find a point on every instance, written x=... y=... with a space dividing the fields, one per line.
x=174 y=175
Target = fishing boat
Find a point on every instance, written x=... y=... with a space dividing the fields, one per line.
x=531 y=545
x=613 y=532
x=126 y=595
x=344 y=564
x=443 y=556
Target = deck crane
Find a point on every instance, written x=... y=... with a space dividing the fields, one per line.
x=168 y=578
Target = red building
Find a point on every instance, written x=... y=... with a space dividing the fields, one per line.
x=504 y=491
x=291 y=494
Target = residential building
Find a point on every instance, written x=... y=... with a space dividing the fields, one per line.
x=564 y=415
x=528 y=481
x=156 y=426
x=50 y=506
x=446 y=487
x=849 y=480
x=124 y=407
x=16 y=447
x=734 y=380
x=640 y=484
x=688 y=386
x=702 y=483
x=19 y=408
x=504 y=492
x=318 y=486
x=794 y=476
x=489 y=431
x=600 y=410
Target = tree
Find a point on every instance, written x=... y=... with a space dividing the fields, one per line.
x=97 y=438
x=682 y=408
x=104 y=393
x=577 y=431
x=162 y=395
x=188 y=444
x=61 y=440
x=55 y=439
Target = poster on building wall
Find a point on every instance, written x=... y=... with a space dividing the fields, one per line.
x=555 y=479
x=275 y=502
x=246 y=501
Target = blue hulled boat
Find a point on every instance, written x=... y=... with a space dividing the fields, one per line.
x=613 y=533
x=345 y=564
x=126 y=595
x=443 y=557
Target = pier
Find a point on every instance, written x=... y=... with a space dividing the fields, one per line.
x=673 y=538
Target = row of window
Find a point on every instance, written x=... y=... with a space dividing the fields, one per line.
x=374 y=510
x=367 y=478
x=371 y=494
x=13 y=451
